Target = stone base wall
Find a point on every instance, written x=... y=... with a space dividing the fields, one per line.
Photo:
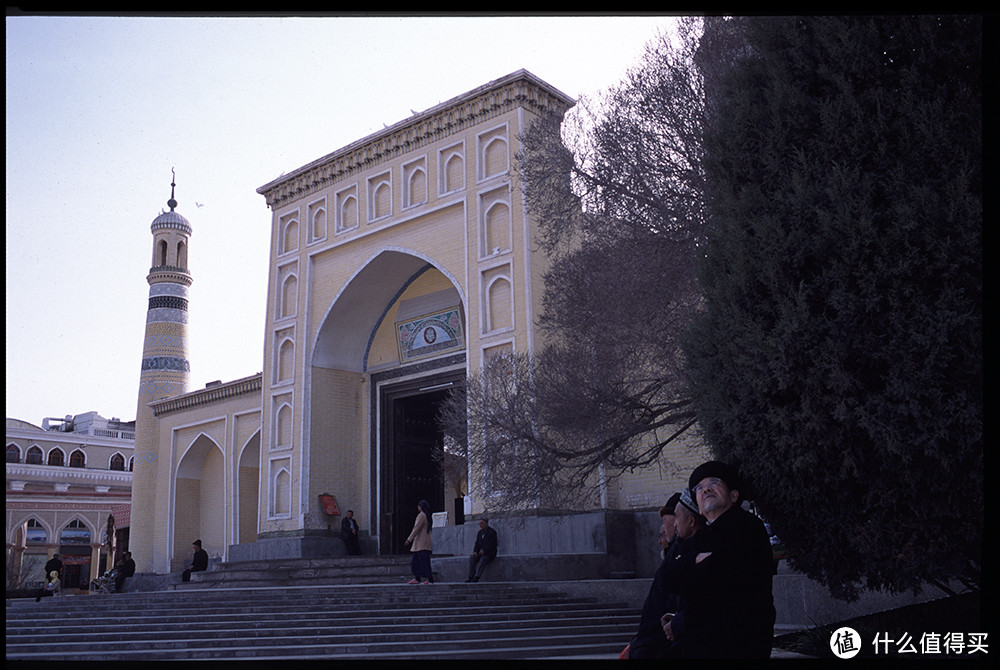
x=268 y=548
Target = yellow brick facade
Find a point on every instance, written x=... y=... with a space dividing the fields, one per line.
x=398 y=263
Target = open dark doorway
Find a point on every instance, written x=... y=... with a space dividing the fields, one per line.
x=412 y=445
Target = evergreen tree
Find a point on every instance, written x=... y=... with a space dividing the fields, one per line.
x=838 y=362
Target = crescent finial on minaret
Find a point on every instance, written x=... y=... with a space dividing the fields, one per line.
x=173 y=177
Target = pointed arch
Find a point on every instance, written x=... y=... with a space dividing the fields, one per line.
x=499 y=304
x=497 y=228
x=56 y=457
x=283 y=426
x=281 y=500
x=289 y=296
x=78 y=459
x=495 y=156
x=248 y=490
x=356 y=311
x=453 y=173
x=200 y=497
x=286 y=360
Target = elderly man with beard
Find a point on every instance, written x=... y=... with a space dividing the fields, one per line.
x=727 y=580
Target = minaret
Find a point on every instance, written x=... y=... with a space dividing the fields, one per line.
x=164 y=373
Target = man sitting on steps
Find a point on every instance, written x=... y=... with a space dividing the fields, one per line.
x=484 y=552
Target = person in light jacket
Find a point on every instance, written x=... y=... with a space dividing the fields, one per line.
x=419 y=543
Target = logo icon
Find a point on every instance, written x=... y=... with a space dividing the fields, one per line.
x=845 y=642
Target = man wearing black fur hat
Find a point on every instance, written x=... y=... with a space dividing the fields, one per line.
x=728 y=581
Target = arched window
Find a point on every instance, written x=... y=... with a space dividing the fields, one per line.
x=163 y=252
x=381 y=204
x=282 y=493
x=57 y=457
x=34 y=456
x=284 y=432
x=77 y=459
x=290 y=238
x=118 y=462
x=131 y=464
x=75 y=532
x=35 y=532
x=13 y=453
x=349 y=213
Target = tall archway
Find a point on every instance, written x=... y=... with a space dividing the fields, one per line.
x=199 y=499
x=368 y=412
x=248 y=491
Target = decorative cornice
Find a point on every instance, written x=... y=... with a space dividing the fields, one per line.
x=169 y=273
x=48 y=473
x=124 y=440
x=209 y=395
x=519 y=89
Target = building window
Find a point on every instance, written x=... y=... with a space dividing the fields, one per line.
x=56 y=457
x=75 y=532
x=34 y=456
x=77 y=459
x=13 y=453
x=35 y=532
x=118 y=462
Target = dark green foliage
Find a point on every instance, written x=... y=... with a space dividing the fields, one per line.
x=839 y=359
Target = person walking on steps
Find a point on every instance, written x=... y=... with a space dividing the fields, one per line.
x=419 y=543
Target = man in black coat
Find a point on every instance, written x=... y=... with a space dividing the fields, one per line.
x=199 y=563
x=483 y=552
x=650 y=640
x=123 y=570
x=54 y=563
x=349 y=533
x=727 y=584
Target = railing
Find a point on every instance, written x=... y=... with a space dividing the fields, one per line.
x=118 y=434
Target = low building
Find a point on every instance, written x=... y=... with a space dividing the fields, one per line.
x=64 y=480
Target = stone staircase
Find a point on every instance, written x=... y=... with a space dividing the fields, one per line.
x=304 y=572
x=221 y=617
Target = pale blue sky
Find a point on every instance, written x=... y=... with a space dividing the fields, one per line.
x=99 y=109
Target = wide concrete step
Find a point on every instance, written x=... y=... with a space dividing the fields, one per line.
x=413 y=632
x=444 y=615
x=358 y=625
x=484 y=645
x=89 y=608
x=501 y=620
x=303 y=571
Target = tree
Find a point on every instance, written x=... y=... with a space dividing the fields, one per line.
x=838 y=362
x=616 y=193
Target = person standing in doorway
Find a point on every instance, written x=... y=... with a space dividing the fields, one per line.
x=349 y=532
x=419 y=543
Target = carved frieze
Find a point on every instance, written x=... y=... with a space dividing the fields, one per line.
x=518 y=90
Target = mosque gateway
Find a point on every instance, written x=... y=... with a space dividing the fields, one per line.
x=398 y=265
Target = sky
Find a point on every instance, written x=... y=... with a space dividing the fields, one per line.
x=101 y=109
